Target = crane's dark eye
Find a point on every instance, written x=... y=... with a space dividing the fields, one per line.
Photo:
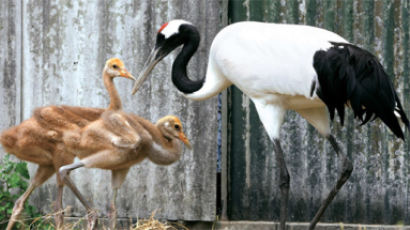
x=115 y=66
x=177 y=127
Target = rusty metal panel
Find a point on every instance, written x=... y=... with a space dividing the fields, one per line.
x=64 y=45
x=378 y=189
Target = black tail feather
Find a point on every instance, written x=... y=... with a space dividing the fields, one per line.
x=349 y=74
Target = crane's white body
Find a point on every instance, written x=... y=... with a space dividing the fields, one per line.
x=282 y=67
x=273 y=65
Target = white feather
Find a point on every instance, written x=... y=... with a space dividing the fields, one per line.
x=264 y=58
x=271 y=63
x=173 y=27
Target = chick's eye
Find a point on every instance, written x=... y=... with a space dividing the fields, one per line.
x=115 y=66
x=176 y=127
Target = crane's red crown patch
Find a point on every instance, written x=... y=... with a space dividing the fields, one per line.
x=162 y=27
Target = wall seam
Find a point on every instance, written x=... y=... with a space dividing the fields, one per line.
x=20 y=116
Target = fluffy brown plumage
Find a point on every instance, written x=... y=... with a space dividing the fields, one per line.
x=39 y=138
x=119 y=140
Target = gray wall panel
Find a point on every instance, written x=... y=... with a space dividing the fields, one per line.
x=10 y=41
x=64 y=48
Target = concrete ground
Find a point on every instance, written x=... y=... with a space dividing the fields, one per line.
x=262 y=225
x=124 y=224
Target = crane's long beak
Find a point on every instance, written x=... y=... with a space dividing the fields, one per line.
x=148 y=67
x=185 y=140
x=126 y=74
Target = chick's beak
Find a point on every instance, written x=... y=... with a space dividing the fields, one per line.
x=185 y=140
x=126 y=74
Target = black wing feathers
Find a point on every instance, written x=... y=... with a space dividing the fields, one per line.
x=350 y=75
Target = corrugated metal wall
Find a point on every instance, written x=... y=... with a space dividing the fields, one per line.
x=379 y=188
x=9 y=64
x=53 y=52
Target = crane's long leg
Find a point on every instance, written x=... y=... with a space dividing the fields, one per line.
x=347 y=168
x=59 y=217
x=103 y=159
x=284 y=180
x=42 y=174
x=61 y=158
x=272 y=117
x=117 y=179
x=113 y=212
x=64 y=174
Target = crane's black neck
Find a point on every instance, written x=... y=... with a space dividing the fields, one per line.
x=179 y=68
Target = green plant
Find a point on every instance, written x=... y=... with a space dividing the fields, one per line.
x=13 y=183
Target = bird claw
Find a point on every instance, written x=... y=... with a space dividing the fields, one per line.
x=92 y=220
x=59 y=219
x=113 y=218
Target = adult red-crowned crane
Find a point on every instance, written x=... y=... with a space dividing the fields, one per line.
x=281 y=67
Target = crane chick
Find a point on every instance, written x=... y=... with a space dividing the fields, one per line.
x=98 y=147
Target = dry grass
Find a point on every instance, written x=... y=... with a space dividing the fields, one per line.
x=47 y=223
x=153 y=224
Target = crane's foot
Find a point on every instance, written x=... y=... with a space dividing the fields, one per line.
x=113 y=217
x=92 y=220
x=59 y=219
x=17 y=209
